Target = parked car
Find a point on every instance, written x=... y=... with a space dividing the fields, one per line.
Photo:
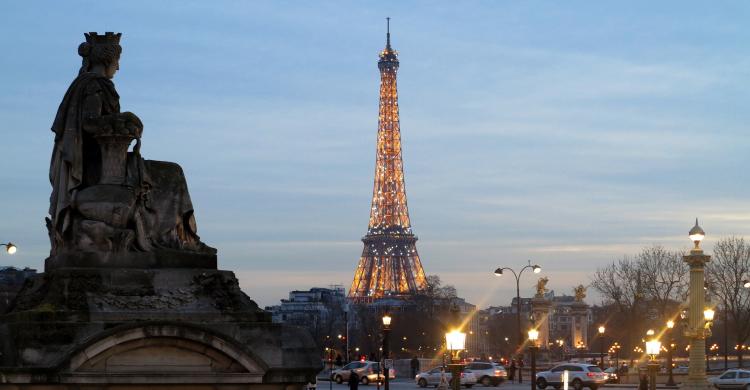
x=366 y=370
x=612 y=376
x=680 y=370
x=732 y=379
x=579 y=376
x=488 y=374
x=432 y=377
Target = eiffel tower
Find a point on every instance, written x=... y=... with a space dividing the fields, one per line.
x=389 y=265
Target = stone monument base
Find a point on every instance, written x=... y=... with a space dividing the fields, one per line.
x=107 y=328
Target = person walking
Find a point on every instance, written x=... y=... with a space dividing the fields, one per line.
x=353 y=380
x=414 y=366
x=512 y=370
x=520 y=368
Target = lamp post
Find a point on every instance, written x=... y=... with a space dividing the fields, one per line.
x=601 y=346
x=10 y=248
x=533 y=337
x=670 y=346
x=454 y=342
x=499 y=272
x=696 y=327
x=386 y=333
x=653 y=347
x=708 y=317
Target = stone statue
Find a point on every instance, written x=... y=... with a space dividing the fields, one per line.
x=580 y=292
x=106 y=199
x=541 y=287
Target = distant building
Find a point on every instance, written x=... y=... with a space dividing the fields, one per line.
x=320 y=310
x=11 y=280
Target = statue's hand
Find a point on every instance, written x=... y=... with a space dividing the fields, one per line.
x=133 y=123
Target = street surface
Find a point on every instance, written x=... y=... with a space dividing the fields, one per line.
x=405 y=384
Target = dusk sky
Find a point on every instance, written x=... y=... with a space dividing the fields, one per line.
x=568 y=133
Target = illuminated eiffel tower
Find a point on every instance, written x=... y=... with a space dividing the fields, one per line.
x=390 y=265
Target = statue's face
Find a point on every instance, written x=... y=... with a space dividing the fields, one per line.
x=113 y=67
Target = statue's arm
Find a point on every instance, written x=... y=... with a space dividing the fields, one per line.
x=91 y=115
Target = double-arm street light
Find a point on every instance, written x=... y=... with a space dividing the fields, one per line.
x=10 y=248
x=499 y=272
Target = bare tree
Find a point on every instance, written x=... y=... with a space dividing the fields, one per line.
x=726 y=271
x=665 y=277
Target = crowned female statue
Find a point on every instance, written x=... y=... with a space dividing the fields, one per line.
x=106 y=199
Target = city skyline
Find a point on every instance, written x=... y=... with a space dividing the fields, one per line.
x=570 y=135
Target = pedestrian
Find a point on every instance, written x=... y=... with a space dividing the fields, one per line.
x=443 y=385
x=520 y=369
x=643 y=383
x=339 y=360
x=414 y=366
x=512 y=370
x=353 y=380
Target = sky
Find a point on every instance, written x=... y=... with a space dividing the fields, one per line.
x=568 y=134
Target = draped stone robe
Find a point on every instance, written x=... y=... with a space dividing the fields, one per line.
x=162 y=213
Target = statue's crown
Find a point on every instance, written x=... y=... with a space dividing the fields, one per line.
x=109 y=38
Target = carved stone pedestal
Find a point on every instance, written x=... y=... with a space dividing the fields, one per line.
x=111 y=327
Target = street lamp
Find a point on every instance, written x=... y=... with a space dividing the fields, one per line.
x=653 y=347
x=601 y=346
x=670 y=379
x=10 y=248
x=533 y=337
x=499 y=272
x=454 y=342
x=386 y=362
x=697 y=328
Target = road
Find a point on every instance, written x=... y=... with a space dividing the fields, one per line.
x=404 y=384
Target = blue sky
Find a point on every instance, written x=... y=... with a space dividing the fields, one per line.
x=568 y=133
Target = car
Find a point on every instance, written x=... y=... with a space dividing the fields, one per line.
x=579 y=376
x=612 y=376
x=432 y=377
x=732 y=379
x=488 y=374
x=680 y=370
x=367 y=371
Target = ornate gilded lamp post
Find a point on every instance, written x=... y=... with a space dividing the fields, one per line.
x=499 y=272
x=533 y=337
x=454 y=342
x=386 y=333
x=653 y=346
x=696 y=327
x=10 y=248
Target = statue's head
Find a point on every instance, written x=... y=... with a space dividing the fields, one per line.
x=101 y=51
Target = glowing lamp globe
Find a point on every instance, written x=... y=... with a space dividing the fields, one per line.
x=10 y=248
x=533 y=335
x=653 y=347
x=746 y=283
x=387 y=320
x=708 y=314
x=670 y=324
x=696 y=234
x=499 y=272
x=455 y=340
x=601 y=329
x=536 y=268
